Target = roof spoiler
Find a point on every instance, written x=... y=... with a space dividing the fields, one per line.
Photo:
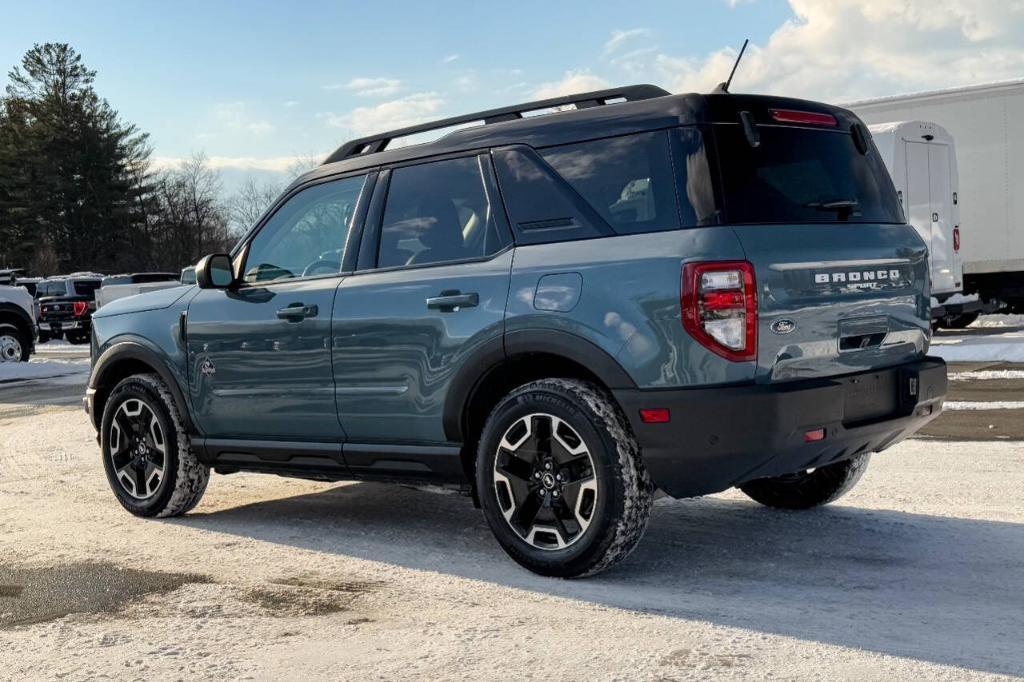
x=377 y=143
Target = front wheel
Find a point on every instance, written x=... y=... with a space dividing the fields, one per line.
x=14 y=344
x=811 y=488
x=560 y=479
x=147 y=454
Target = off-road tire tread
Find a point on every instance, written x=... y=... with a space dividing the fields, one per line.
x=191 y=475
x=637 y=485
x=821 y=486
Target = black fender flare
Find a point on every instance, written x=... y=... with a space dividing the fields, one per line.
x=493 y=353
x=19 y=313
x=134 y=350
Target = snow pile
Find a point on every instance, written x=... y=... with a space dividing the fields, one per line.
x=41 y=369
x=983 y=405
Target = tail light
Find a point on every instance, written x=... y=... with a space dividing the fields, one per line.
x=78 y=308
x=719 y=307
x=956 y=238
x=803 y=117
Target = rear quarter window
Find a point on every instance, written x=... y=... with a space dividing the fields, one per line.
x=628 y=180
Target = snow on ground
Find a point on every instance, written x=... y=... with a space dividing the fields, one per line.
x=41 y=369
x=916 y=574
x=987 y=375
x=991 y=338
x=983 y=405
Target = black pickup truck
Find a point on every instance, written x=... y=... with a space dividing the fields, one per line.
x=65 y=307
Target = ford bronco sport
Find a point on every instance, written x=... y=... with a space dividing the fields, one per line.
x=562 y=313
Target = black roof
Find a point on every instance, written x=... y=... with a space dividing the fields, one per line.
x=601 y=113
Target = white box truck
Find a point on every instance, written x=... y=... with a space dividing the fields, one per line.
x=987 y=124
x=921 y=158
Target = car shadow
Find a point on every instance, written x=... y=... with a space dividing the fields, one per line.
x=940 y=589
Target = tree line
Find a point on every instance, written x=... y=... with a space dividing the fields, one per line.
x=79 y=190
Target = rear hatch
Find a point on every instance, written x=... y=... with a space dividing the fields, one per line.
x=842 y=281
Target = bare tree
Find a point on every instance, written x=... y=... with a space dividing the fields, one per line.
x=191 y=219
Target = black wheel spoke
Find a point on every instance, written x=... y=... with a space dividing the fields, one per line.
x=543 y=470
x=139 y=458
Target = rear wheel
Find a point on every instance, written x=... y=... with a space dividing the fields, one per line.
x=961 y=321
x=147 y=455
x=811 y=488
x=77 y=337
x=560 y=479
x=14 y=344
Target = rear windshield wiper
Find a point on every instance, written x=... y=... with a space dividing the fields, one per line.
x=844 y=208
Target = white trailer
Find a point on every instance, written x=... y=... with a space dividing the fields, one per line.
x=921 y=158
x=987 y=123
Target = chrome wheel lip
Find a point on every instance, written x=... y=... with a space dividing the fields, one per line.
x=137 y=448
x=548 y=485
x=10 y=348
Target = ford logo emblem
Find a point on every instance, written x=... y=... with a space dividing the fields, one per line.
x=783 y=326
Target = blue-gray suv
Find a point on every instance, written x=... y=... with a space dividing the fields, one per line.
x=560 y=307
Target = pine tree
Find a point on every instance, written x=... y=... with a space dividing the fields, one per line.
x=73 y=175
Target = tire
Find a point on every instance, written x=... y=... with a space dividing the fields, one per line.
x=807 y=489
x=594 y=514
x=957 y=321
x=77 y=337
x=183 y=480
x=14 y=344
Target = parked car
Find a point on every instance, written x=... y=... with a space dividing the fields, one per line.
x=559 y=313
x=17 y=325
x=114 y=287
x=66 y=305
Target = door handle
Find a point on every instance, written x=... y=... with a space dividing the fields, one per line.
x=452 y=300
x=297 y=312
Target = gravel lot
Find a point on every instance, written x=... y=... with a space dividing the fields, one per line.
x=918 y=573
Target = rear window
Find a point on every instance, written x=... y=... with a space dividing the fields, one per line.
x=800 y=175
x=55 y=288
x=87 y=287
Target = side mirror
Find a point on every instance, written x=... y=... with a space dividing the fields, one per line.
x=215 y=272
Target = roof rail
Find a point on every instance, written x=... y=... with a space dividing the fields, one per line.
x=378 y=143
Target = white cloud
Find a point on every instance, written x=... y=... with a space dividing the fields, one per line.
x=620 y=39
x=277 y=164
x=398 y=113
x=291 y=103
x=450 y=58
x=369 y=87
x=260 y=127
x=572 y=82
x=840 y=50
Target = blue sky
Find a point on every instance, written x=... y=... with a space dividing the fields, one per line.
x=254 y=84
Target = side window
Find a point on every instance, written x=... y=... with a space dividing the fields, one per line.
x=305 y=237
x=628 y=180
x=438 y=212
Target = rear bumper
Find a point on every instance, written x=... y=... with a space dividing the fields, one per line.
x=718 y=438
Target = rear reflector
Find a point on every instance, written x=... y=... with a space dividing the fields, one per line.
x=815 y=435
x=804 y=117
x=655 y=415
x=956 y=238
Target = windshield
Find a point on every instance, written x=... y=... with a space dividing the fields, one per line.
x=801 y=175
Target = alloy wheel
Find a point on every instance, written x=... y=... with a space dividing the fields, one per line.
x=138 y=449
x=545 y=481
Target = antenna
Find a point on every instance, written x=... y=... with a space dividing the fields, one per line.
x=723 y=88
